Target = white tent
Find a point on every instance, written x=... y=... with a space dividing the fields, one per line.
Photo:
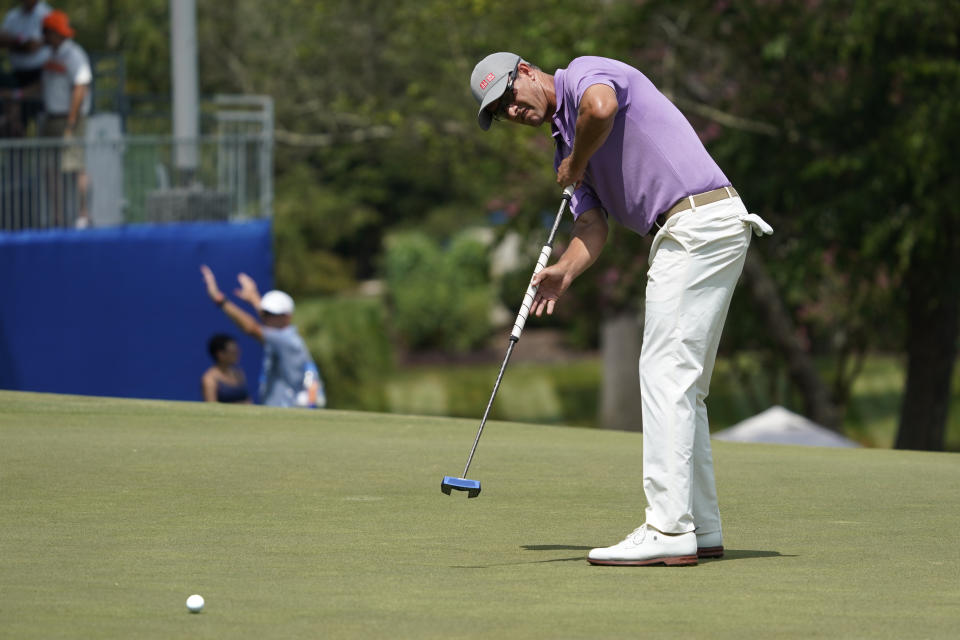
x=777 y=425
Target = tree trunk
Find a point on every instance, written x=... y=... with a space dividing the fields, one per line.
x=933 y=321
x=620 y=339
x=816 y=396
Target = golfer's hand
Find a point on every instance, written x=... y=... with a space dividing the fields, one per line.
x=568 y=174
x=248 y=290
x=551 y=282
x=212 y=289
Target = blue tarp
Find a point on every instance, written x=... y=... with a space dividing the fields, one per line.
x=123 y=311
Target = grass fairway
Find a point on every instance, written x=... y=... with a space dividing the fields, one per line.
x=332 y=524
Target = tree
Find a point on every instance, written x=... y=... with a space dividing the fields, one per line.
x=852 y=109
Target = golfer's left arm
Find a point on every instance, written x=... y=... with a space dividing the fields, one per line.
x=587 y=241
x=595 y=117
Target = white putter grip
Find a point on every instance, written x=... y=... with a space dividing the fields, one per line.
x=528 y=297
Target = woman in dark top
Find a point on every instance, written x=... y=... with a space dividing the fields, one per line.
x=224 y=381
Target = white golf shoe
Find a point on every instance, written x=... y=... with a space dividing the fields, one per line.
x=710 y=545
x=647 y=546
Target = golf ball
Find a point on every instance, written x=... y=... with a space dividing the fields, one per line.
x=195 y=603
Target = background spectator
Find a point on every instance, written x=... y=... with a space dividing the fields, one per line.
x=66 y=101
x=22 y=33
x=224 y=381
x=290 y=377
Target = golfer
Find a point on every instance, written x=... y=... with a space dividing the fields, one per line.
x=634 y=157
x=290 y=377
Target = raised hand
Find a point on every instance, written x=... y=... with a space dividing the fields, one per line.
x=211 y=281
x=248 y=290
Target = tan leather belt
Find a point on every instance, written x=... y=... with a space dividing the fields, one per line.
x=699 y=200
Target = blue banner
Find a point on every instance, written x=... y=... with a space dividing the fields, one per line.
x=123 y=311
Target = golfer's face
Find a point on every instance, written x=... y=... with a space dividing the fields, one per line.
x=522 y=103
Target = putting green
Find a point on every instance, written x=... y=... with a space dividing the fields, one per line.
x=332 y=524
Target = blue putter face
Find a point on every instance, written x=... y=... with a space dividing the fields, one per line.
x=472 y=487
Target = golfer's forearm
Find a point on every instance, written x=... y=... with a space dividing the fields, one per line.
x=590 y=136
x=589 y=237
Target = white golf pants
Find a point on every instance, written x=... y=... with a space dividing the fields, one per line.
x=695 y=262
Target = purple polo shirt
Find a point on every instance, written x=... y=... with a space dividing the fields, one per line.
x=651 y=159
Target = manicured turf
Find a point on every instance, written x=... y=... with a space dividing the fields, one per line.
x=332 y=524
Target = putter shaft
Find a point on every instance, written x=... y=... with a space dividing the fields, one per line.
x=496 y=385
x=521 y=318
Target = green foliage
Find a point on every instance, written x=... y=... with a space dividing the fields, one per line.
x=569 y=393
x=319 y=234
x=440 y=298
x=139 y=29
x=349 y=340
x=836 y=120
x=543 y=394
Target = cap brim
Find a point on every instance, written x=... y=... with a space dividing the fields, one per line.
x=484 y=117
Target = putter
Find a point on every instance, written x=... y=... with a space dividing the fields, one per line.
x=472 y=487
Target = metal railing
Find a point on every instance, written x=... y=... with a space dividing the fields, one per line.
x=107 y=179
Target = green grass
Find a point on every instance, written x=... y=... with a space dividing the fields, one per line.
x=331 y=524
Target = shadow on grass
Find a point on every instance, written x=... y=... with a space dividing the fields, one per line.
x=743 y=554
x=553 y=547
x=729 y=554
x=580 y=558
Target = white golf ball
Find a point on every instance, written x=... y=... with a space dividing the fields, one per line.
x=195 y=603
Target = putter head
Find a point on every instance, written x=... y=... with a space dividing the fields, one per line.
x=472 y=487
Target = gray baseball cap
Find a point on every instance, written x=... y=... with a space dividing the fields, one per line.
x=489 y=80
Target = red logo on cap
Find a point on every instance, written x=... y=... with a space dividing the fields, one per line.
x=486 y=81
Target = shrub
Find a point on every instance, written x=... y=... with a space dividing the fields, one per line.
x=322 y=237
x=349 y=341
x=439 y=298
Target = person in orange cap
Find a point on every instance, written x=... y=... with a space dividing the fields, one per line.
x=66 y=100
x=65 y=87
